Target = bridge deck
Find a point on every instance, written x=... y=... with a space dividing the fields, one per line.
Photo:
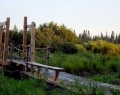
x=18 y=62
x=48 y=78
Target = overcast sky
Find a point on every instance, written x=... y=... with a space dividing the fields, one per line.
x=94 y=15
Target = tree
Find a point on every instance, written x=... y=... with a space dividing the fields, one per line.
x=106 y=37
x=112 y=37
x=101 y=36
x=116 y=39
x=84 y=36
x=15 y=28
x=40 y=39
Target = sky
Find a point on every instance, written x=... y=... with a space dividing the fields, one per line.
x=94 y=15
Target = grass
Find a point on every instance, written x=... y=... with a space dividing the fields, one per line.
x=87 y=64
x=108 y=78
x=9 y=86
x=99 y=67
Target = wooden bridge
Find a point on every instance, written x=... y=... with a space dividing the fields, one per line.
x=12 y=57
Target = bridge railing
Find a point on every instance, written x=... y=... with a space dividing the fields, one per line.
x=38 y=56
x=16 y=52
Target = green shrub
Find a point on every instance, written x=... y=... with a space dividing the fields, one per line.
x=115 y=81
x=114 y=91
x=69 y=49
x=80 y=47
x=102 y=47
x=113 y=66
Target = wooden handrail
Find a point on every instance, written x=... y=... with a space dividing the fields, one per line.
x=57 y=69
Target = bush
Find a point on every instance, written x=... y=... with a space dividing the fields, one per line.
x=69 y=49
x=113 y=66
x=80 y=47
x=115 y=81
x=103 y=47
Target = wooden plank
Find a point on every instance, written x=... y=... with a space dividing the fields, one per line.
x=38 y=72
x=1 y=30
x=33 y=42
x=18 y=62
x=25 y=38
x=56 y=75
x=49 y=78
x=2 y=23
x=5 y=53
x=45 y=66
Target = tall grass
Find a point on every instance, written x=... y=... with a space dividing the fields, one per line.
x=9 y=86
x=86 y=63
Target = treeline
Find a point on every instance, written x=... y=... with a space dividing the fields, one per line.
x=60 y=38
x=85 y=37
x=47 y=34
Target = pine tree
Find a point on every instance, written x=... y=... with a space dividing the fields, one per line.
x=101 y=36
x=116 y=39
x=112 y=37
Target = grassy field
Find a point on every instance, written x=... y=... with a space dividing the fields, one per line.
x=99 y=67
x=104 y=68
x=9 y=86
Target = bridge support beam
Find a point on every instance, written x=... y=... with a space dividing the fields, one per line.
x=33 y=42
x=5 y=53
x=25 y=38
x=1 y=30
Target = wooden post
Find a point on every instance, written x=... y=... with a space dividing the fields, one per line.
x=38 y=72
x=18 y=52
x=11 y=48
x=56 y=75
x=33 y=42
x=25 y=38
x=26 y=68
x=47 y=56
x=32 y=69
x=5 y=53
x=27 y=54
x=1 y=30
x=47 y=60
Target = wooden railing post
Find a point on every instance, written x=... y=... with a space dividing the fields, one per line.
x=26 y=68
x=5 y=54
x=25 y=38
x=2 y=50
x=11 y=52
x=33 y=42
x=1 y=30
x=28 y=54
x=18 y=53
x=47 y=55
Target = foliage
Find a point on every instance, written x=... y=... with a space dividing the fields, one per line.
x=103 y=47
x=89 y=89
x=114 y=91
x=56 y=43
x=69 y=48
x=106 y=78
x=9 y=86
x=86 y=63
x=40 y=39
x=80 y=47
